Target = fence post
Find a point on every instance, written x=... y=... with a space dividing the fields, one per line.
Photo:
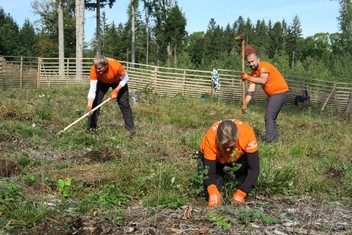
x=327 y=100
x=39 y=68
x=67 y=67
x=154 y=79
x=184 y=82
x=21 y=73
x=348 y=110
x=2 y=82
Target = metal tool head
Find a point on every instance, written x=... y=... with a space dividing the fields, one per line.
x=240 y=37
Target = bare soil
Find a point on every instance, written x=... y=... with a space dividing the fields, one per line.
x=295 y=215
x=300 y=217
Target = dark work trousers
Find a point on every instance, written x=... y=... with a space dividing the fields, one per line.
x=240 y=174
x=272 y=111
x=122 y=100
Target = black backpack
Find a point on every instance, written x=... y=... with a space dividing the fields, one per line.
x=303 y=100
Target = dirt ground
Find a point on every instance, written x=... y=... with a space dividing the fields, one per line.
x=300 y=217
x=295 y=216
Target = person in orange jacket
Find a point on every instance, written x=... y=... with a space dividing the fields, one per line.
x=107 y=73
x=273 y=84
x=227 y=142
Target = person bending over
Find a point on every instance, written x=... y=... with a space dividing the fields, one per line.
x=224 y=143
x=107 y=73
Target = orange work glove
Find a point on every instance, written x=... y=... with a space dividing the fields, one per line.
x=214 y=195
x=114 y=94
x=245 y=76
x=88 y=109
x=238 y=196
x=244 y=107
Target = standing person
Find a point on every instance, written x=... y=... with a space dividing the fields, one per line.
x=273 y=84
x=224 y=143
x=108 y=73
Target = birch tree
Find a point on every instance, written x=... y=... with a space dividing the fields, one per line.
x=79 y=37
x=134 y=6
x=61 y=40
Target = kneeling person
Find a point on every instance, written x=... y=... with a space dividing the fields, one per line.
x=226 y=142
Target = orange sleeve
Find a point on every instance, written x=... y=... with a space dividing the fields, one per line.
x=93 y=73
x=208 y=145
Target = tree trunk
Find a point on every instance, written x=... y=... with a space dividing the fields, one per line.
x=175 y=54
x=61 y=40
x=147 y=55
x=79 y=37
x=133 y=34
x=98 y=28
x=169 y=54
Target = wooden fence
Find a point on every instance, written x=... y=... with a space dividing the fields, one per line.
x=31 y=73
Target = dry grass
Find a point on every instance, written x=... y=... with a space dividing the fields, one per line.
x=156 y=168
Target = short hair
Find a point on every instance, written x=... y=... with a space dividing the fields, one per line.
x=249 y=50
x=100 y=59
x=227 y=132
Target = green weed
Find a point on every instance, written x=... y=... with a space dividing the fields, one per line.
x=106 y=197
x=219 y=220
x=16 y=208
x=63 y=186
x=249 y=215
x=155 y=168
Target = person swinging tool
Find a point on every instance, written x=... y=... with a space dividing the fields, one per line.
x=273 y=84
x=227 y=142
x=106 y=73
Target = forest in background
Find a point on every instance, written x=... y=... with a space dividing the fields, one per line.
x=160 y=39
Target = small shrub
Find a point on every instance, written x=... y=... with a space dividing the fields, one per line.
x=219 y=220
x=63 y=186
x=107 y=196
x=248 y=215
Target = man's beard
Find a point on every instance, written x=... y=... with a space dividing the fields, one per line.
x=255 y=67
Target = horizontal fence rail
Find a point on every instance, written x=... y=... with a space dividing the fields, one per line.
x=33 y=72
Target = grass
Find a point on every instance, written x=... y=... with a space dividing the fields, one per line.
x=107 y=170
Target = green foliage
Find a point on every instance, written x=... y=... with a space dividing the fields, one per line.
x=197 y=181
x=63 y=186
x=219 y=220
x=161 y=188
x=9 y=31
x=106 y=197
x=346 y=181
x=22 y=159
x=167 y=42
x=248 y=215
x=156 y=168
x=75 y=141
x=16 y=208
x=9 y=192
x=164 y=199
x=28 y=214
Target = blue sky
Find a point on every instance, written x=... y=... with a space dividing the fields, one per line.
x=315 y=15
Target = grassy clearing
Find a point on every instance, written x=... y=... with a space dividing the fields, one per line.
x=101 y=172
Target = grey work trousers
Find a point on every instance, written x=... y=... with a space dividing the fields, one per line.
x=272 y=111
x=122 y=100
